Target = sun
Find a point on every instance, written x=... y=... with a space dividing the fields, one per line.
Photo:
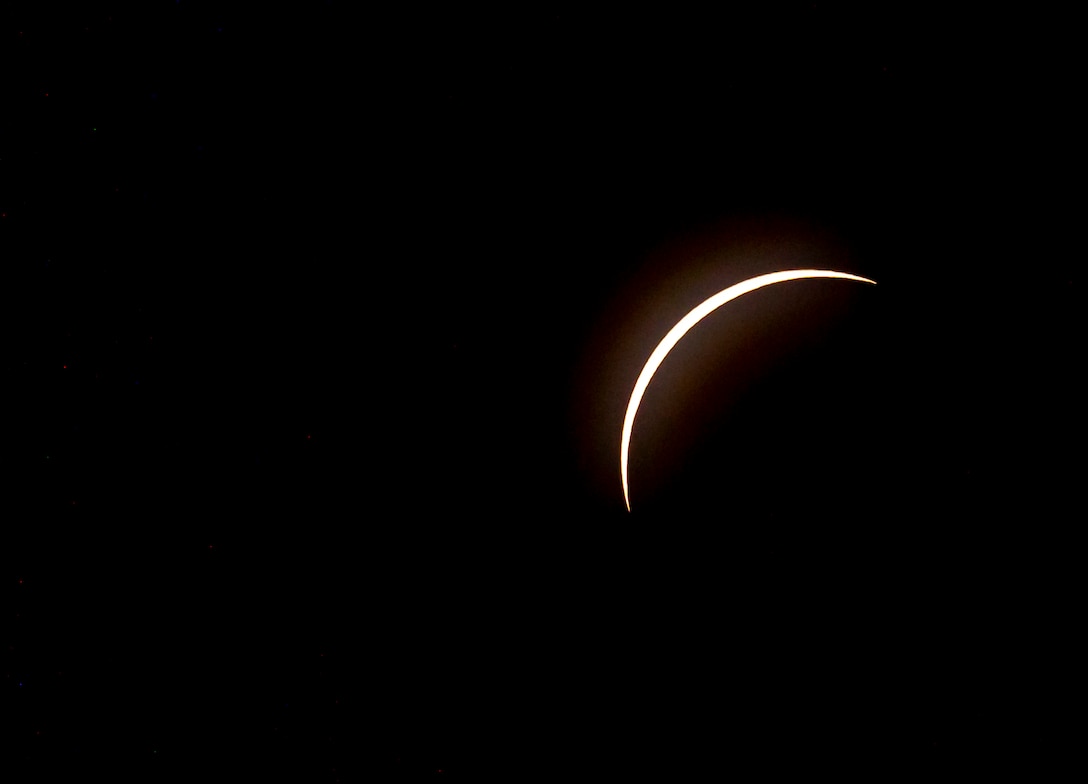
x=682 y=327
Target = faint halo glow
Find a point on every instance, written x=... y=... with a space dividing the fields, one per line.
x=686 y=323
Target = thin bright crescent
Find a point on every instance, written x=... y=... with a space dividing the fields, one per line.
x=686 y=323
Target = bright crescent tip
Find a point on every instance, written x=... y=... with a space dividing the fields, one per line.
x=696 y=315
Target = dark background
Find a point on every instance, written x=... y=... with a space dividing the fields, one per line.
x=318 y=328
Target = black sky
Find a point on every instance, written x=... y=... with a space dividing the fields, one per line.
x=319 y=326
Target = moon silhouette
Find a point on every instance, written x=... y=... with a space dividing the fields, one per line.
x=696 y=315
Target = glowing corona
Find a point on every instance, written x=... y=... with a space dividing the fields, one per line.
x=686 y=323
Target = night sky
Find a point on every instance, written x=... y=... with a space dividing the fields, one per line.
x=319 y=324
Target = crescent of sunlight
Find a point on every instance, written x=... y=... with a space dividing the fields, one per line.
x=696 y=315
